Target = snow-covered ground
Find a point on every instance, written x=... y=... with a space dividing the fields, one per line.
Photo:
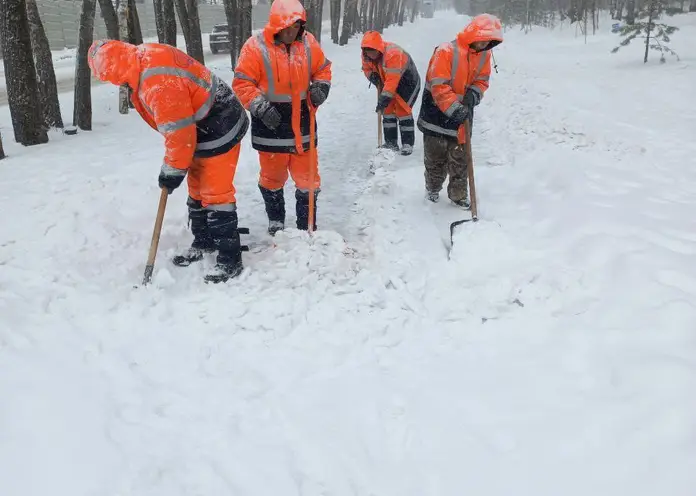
x=553 y=354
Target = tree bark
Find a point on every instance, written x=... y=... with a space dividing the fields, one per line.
x=45 y=73
x=123 y=92
x=183 y=21
x=82 y=110
x=169 y=18
x=335 y=14
x=108 y=12
x=245 y=9
x=159 y=20
x=191 y=25
x=20 y=74
x=232 y=14
x=2 y=150
x=348 y=19
x=135 y=33
x=692 y=6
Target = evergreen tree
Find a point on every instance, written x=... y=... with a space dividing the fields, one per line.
x=656 y=34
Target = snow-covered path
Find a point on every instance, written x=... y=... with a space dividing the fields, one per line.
x=555 y=353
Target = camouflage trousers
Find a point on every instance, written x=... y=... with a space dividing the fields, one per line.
x=443 y=157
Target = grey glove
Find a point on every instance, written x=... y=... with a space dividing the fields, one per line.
x=375 y=79
x=318 y=92
x=471 y=98
x=460 y=114
x=263 y=109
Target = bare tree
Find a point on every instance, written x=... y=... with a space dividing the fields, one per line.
x=314 y=10
x=135 y=34
x=108 y=12
x=82 y=110
x=165 y=21
x=245 y=8
x=45 y=73
x=350 y=18
x=232 y=14
x=191 y=26
x=20 y=74
x=335 y=13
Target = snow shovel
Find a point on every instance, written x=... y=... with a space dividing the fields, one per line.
x=466 y=139
x=155 y=237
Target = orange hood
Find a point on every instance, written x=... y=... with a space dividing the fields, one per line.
x=484 y=27
x=115 y=62
x=284 y=13
x=372 y=39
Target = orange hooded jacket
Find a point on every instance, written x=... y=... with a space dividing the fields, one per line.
x=268 y=70
x=396 y=69
x=195 y=111
x=453 y=69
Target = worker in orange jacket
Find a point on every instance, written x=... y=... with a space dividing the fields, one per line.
x=392 y=70
x=281 y=77
x=457 y=78
x=202 y=123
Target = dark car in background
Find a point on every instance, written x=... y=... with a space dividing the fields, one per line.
x=219 y=38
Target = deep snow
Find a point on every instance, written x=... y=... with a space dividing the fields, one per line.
x=555 y=353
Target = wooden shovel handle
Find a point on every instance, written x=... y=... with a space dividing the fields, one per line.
x=149 y=267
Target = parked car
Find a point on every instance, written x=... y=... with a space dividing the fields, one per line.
x=219 y=38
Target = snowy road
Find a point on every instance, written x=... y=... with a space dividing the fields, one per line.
x=554 y=354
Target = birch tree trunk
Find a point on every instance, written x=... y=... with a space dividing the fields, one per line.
x=123 y=92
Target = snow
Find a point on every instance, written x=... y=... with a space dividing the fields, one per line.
x=554 y=353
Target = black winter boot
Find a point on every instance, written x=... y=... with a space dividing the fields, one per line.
x=202 y=240
x=224 y=230
x=275 y=209
x=302 y=209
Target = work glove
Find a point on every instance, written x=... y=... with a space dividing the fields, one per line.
x=318 y=92
x=471 y=98
x=263 y=109
x=460 y=115
x=170 y=178
x=383 y=102
x=375 y=79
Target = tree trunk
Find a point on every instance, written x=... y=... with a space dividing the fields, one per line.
x=631 y=12
x=159 y=20
x=402 y=12
x=191 y=26
x=169 y=18
x=183 y=21
x=45 y=74
x=196 y=50
x=2 y=150
x=20 y=74
x=245 y=8
x=348 y=20
x=123 y=93
x=82 y=110
x=108 y=12
x=232 y=14
x=135 y=34
x=335 y=14
x=692 y=6
x=651 y=12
